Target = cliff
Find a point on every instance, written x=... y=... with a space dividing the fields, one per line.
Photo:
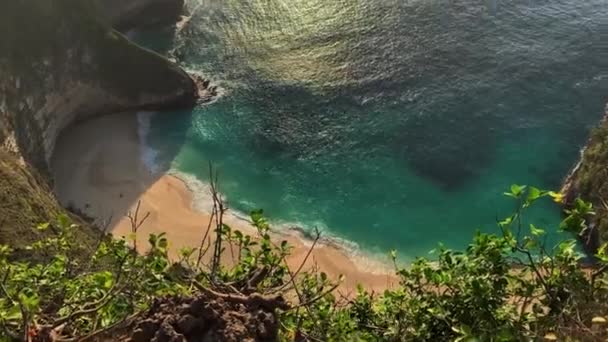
x=589 y=181
x=59 y=63
x=125 y=15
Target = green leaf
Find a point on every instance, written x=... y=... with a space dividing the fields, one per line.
x=536 y=231
x=506 y=222
x=557 y=197
x=43 y=226
x=152 y=239
x=533 y=195
x=601 y=253
x=186 y=252
x=516 y=191
x=29 y=301
x=5 y=251
x=63 y=221
x=257 y=215
x=12 y=314
x=567 y=247
x=529 y=243
x=226 y=229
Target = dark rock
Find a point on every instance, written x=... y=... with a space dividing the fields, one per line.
x=140 y=335
x=186 y=324
x=197 y=306
x=126 y=15
x=166 y=333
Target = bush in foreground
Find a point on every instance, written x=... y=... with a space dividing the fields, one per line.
x=504 y=287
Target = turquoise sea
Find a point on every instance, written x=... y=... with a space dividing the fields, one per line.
x=390 y=124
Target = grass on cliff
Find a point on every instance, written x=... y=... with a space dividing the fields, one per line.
x=505 y=287
x=590 y=181
x=25 y=201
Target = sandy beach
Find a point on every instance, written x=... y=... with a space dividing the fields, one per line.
x=98 y=170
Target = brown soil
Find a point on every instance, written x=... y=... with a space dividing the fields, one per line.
x=202 y=318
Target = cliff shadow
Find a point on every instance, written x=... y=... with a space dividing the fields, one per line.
x=103 y=166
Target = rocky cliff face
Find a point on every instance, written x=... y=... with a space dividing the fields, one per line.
x=59 y=63
x=125 y=14
x=589 y=181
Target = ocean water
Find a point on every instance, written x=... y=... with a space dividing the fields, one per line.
x=389 y=124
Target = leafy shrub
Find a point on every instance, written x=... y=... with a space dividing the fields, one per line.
x=505 y=287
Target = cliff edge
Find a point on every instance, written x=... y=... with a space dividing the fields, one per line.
x=60 y=62
x=589 y=181
x=125 y=15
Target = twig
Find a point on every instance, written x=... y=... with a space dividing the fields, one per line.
x=312 y=247
x=24 y=315
x=136 y=223
x=219 y=209
x=202 y=253
x=597 y=273
x=311 y=301
x=253 y=300
x=99 y=304
x=102 y=330
x=255 y=279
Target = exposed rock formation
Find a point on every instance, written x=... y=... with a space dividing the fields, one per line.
x=59 y=63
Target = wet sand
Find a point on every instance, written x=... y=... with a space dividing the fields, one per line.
x=98 y=170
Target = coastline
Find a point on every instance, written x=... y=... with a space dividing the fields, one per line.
x=99 y=170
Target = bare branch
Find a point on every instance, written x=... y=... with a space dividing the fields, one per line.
x=295 y=274
x=201 y=252
x=323 y=294
x=253 y=300
x=219 y=209
x=136 y=223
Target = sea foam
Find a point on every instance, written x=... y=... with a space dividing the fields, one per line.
x=368 y=261
x=202 y=201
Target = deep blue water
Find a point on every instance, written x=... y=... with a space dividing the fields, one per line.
x=392 y=124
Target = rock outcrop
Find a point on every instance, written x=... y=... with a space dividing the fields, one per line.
x=125 y=15
x=201 y=318
x=60 y=63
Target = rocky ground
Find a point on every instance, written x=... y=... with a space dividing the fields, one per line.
x=210 y=316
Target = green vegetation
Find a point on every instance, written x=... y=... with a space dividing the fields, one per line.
x=590 y=180
x=61 y=279
x=26 y=201
x=504 y=287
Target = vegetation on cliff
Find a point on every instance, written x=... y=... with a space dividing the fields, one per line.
x=503 y=287
x=589 y=181
x=26 y=200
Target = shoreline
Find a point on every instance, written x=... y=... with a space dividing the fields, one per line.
x=98 y=169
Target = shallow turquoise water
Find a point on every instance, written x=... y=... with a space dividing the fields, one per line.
x=392 y=124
